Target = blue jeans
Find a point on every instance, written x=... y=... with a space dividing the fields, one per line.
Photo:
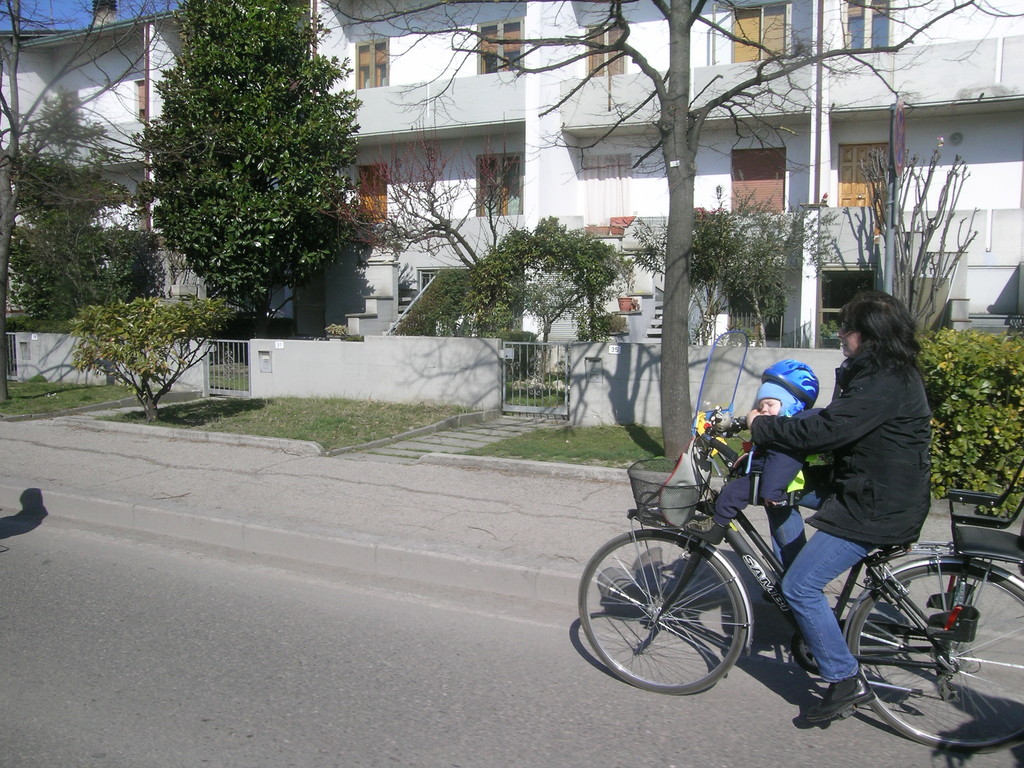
x=821 y=560
x=787 y=528
x=785 y=523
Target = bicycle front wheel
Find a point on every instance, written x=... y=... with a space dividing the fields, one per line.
x=939 y=681
x=682 y=648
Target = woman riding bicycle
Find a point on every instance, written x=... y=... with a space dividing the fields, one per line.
x=878 y=427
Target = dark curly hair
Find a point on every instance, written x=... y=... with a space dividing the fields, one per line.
x=888 y=335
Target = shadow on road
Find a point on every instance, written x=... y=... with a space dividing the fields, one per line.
x=29 y=518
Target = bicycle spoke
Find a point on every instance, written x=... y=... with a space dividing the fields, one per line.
x=936 y=688
x=679 y=648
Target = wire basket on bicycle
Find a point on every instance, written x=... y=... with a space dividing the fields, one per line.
x=662 y=498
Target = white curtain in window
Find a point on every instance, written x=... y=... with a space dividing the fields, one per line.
x=606 y=180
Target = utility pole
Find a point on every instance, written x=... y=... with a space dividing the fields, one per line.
x=897 y=159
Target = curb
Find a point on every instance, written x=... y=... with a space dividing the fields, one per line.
x=130 y=403
x=292 y=447
x=365 y=556
x=524 y=466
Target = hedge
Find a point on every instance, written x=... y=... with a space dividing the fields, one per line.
x=975 y=385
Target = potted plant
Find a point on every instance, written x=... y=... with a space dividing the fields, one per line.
x=336 y=331
x=627 y=303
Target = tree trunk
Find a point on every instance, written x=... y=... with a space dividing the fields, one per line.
x=679 y=152
x=8 y=209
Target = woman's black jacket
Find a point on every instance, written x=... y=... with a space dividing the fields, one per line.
x=878 y=427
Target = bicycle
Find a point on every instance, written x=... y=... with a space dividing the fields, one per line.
x=936 y=628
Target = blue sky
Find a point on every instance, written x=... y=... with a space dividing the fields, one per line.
x=76 y=13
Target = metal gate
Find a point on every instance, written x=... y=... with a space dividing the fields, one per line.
x=536 y=378
x=227 y=367
x=12 y=356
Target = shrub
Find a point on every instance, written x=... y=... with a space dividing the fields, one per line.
x=30 y=324
x=146 y=344
x=440 y=310
x=975 y=385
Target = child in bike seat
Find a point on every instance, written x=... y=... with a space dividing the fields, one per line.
x=788 y=388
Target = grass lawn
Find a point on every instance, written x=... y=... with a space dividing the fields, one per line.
x=331 y=422
x=613 y=446
x=337 y=423
x=32 y=397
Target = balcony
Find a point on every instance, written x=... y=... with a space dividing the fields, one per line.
x=463 y=106
x=976 y=75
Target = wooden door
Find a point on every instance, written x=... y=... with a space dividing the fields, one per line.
x=854 y=189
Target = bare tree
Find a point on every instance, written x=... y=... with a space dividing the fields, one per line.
x=98 y=56
x=930 y=236
x=749 y=96
x=435 y=196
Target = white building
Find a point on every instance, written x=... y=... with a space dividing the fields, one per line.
x=482 y=129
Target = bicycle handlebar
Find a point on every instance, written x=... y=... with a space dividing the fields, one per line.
x=725 y=423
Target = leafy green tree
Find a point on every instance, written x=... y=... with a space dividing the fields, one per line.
x=250 y=157
x=440 y=309
x=741 y=258
x=146 y=344
x=550 y=272
x=772 y=248
x=66 y=253
x=717 y=244
x=47 y=130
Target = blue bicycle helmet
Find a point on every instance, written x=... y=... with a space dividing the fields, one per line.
x=796 y=378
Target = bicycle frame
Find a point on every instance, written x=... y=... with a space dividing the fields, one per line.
x=760 y=561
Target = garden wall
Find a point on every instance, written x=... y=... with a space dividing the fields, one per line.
x=400 y=369
x=608 y=383
x=619 y=383
x=50 y=355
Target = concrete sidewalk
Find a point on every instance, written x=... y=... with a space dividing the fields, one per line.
x=513 y=528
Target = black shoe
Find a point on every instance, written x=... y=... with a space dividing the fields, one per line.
x=840 y=698
x=706 y=528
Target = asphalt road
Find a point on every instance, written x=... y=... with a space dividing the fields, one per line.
x=123 y=653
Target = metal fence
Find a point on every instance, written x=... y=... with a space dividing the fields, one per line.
x=768 y=334
x=535 y=378
x=12 y=356
x=227 y=366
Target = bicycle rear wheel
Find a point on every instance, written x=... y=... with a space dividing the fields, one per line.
x=679 y=649
x=968 y=691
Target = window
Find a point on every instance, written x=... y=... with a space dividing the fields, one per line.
x=854 y=187
x=867 y=23
x=424 y=276
x=373 y=191
x=759 y=178
x=605 y=61
x=372 y=65
x=763 y=25
x=606 y=180
x=499 y=45
x=142 y=99
x=499 y=185
x=838 y=287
